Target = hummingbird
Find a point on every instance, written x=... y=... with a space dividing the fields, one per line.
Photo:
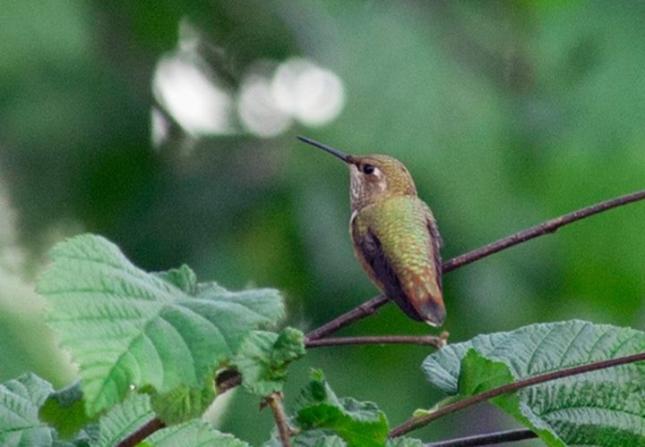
x=394 y=233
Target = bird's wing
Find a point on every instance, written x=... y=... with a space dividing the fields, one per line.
x=370 y=253
x=398 y=245
x=436 y=242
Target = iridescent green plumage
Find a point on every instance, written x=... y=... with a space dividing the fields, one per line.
x=397 y=243
x=395 y=235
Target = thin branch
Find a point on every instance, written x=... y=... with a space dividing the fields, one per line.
x=548 y=227
x=419 y=421
x=274 y=401
x=519 y=434
x=432 y=340
x=362 y=311
x=142 y=433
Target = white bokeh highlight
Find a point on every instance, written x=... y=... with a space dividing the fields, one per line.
x=193 y=99
x=313 y=95
x=258 y=110
x=297 y=90
x=270 y=99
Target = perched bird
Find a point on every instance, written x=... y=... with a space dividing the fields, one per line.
x=394 y=233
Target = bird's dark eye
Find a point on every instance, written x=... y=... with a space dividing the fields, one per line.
x=367 y=168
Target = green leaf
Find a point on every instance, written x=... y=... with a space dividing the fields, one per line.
x=20 y=401
x=310 y=438
x=183 y=402
x=479 y=374
x=359 y=424
x=604 y=407
x=128 y=328
x=317 y=438
x=65 y=410
x=82 y=439
x=183 y=277
x=191 y=434
x=264 y=356
x=124 y=419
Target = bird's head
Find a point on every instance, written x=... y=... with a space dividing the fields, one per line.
x=372 y=177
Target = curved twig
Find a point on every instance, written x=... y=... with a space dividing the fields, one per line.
x=420 y=421
x=432 y=340
x=548 y=227
x=142 y=433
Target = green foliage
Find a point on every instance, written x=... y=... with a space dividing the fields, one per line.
x=123 y=419
x=156 y=340
x=20 y=401
x=191 y=434
x=62 y=421
x=183 y=278
x=319 y=440
x=506 y=113
x=311 y=438
x=263 y=359
x=183 y=402
x=322 y=441
x=325 y=420
x=480 y=374
x=359 y=424
x=598 y=408
x=128 y=328
x=65 y=410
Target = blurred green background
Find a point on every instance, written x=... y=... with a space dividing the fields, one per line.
x=169 y=127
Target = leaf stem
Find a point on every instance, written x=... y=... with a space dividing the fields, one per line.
x=548 y=227
x=274 y=401
x=419 y=421
x=500 y=437
x=432 y=340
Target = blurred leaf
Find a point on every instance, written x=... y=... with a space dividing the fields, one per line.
x=87 y=437
x=310 y=438
x=359 y=424
x=325 y=441
x=183 y=278
x=190 y=434
x=183 y=402
x=65 y=410
x=597 y=408
x=20 y=401
x=123 y=419
x=263 y=359
x=127 y=327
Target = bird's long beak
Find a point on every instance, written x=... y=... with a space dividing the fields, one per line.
x=335 y=152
